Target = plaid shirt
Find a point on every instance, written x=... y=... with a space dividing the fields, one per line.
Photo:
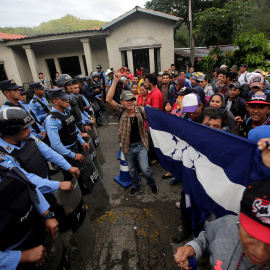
x=124 y=127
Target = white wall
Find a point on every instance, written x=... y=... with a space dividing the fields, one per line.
x=141 y=25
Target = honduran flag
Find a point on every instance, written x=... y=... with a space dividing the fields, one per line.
x=213 y=165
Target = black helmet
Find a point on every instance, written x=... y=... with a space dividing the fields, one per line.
x=99 y=66
x=95 y=74
x=14 y=119
x=88 y=78
x=63 y=79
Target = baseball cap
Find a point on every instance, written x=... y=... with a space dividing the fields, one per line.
x=160 y=73
x=191 y=103
x=257 y=81
x=223 y=66
x=202 y=78
x=58 y=92
x=36 y=85
x=216 y=69
x=22 y=91
x=259 y=98
x=233 y=67
x=8 y=85
x=127 y=95
x=255 y=210
x=235 y=85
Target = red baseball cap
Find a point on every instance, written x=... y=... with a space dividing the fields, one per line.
x=255 y=210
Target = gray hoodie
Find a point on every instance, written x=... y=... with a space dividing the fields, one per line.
x=221 y=240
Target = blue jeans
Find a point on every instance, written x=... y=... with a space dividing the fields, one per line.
x=138 y=152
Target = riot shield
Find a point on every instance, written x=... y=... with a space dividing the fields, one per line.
x=93 y=155
x=57 y=257
x=98 y=198
x=102 y=119
x=96 y=142
x=75 y=209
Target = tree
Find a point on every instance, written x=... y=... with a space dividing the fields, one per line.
x=217 y=26
x=179 y=8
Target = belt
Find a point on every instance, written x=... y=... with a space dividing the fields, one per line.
x=134 y=144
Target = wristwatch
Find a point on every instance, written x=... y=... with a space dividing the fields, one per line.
x=49 y=215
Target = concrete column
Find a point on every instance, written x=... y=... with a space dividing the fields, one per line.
x=152 y=60
x=57 y=66
x=88 y=54
x=130 y=61
x=82 y=66
x=32 y=61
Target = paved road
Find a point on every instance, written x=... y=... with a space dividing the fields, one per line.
x=132 y=232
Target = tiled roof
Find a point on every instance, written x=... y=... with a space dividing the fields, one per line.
x=7 y=36
x=144 y=10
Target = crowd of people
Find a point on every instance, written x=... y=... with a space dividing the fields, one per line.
x=52 y=125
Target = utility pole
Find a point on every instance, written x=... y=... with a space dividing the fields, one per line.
x=191 y=39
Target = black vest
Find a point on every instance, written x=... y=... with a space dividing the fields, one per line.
x=75 y=110
x=68 y=132
x=30 y=158
x=17 y=212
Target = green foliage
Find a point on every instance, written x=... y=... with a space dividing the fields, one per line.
x=181 y=37
x=253 y=50
x=180 y=7
x=67 y=23
x=217 y=26
x=258 y=20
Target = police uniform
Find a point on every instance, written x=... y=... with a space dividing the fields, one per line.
x=31 y=154
x=17 y=232
x=11 y=85
x=63 y=134
x=39 y=106
x=36 y=127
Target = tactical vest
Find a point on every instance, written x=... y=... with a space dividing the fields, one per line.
x=68 y=132
x=80 y=102
x=75 y=110
x=35 y=126
x=30 y=158
x=17 y=212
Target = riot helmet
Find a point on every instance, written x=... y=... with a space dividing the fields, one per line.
x=95 y=74
x=63 y=79
x=99 y=67
x=14 y=119
x=88 y=78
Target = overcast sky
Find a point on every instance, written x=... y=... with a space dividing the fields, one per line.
x=31 y=13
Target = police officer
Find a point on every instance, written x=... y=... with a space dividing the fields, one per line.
x=16 y=140
x=83 y=103
x=62 y=130
x=21 y=230
x=65 y=81
x=39 y=103
x=12 y=93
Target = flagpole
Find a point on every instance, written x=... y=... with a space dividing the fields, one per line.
x=191 y=35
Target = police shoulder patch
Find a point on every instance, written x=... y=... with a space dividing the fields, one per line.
x=37 y=140
x=8 y=148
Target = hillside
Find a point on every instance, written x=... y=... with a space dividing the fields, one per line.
x=67 y=23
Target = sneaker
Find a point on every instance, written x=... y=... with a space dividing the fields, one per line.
x=177 y=204
x=154 y=190
x=133 y=192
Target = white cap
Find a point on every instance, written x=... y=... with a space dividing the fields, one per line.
x=223 y=66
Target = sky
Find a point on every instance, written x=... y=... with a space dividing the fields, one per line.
x=30 y=13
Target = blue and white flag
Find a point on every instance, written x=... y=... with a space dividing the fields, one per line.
x=213 y=165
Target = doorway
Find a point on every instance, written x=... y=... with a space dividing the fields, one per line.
x=70 y=65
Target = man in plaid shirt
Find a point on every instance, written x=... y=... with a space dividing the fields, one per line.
x=133 y=137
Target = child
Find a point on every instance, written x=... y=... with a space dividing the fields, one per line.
x=233 y=244
x=167 y=106
x=134 y=90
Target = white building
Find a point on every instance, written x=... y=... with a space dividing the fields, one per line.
x=140 y=36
